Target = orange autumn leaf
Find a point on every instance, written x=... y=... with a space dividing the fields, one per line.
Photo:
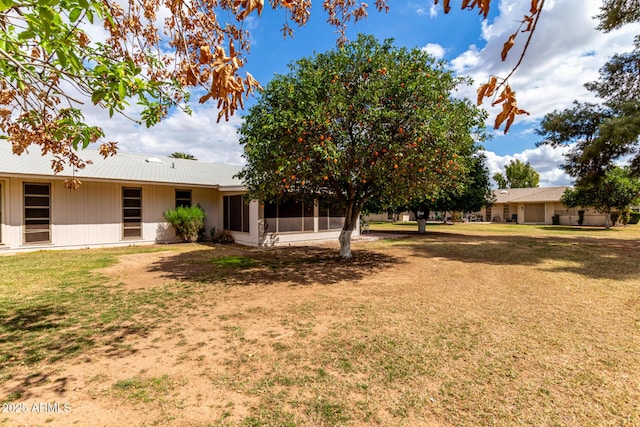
x=534 y=7
x=509 y=109
x=250 y=6
x=508 y=45
x=445 y=5
x=487 y=89
x=483 y=6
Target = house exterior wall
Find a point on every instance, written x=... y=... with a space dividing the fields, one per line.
x=92 y=215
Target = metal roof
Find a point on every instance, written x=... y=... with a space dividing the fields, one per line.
x=122 y=167
x=531 y=195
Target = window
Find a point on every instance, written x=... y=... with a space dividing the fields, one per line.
x=37 y=213
x=131 y=212
x=331 y=218
x=236 y=214
x=183 y=198
x=292 y=215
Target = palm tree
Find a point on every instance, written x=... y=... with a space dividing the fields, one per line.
x=180 y=155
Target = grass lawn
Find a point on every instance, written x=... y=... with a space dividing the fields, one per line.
x=469 y=324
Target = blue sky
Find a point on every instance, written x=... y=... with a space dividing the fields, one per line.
x=565 y=53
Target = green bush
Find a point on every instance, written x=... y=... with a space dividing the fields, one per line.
x=188 y=221
x=625 y=216
x=635 y=218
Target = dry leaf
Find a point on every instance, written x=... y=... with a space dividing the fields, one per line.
x=250 y=6
x=487 y=89
x=534 y=7
x=508 y=45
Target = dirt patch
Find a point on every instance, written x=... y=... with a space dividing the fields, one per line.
x=135 y=271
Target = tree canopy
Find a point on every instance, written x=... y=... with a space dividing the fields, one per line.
x=364 y=121
x=154 y=54
x=517 y=175
x=181 y=155
x=617 y=190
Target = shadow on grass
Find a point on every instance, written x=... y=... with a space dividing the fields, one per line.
x=599 y=258
x=40 y=333
x=250 y=266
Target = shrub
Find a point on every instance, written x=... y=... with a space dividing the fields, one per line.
x=187 y=221
x=221 y=236
x=625 y=216
x=635 y=218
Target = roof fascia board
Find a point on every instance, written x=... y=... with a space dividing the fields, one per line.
x=115 y=181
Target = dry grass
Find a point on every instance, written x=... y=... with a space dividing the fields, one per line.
x=466 y=325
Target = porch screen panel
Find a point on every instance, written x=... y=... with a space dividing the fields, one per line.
x=131 y=212
x=307 y=223
x=290 y=216
x=37 y=213
x=534 y=213
x=330 y=218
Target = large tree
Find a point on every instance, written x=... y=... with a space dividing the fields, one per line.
x=616 y=191
x=365 y=121
x=517 y=175
x=154 y=54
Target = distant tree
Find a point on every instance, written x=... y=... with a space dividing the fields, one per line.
x=180 y=155
x=365 y=121
x=616 y=13
x=616 y=191
x=580 y=127
x=474 y=194
x=500 y=180
x=518 y=175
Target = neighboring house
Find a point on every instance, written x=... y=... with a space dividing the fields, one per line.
x=122 y=200
x=536 y=206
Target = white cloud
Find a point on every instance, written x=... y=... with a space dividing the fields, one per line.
x=197 y=134
x=434 y=50
x=545 y=160
x=433 y=11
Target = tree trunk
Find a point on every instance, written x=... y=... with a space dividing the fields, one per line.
x=422 y=226
x=350 y=219
x=607 y=221
x=345 y=243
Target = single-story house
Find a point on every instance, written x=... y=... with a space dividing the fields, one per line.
x=122 y=199
x=536 y=206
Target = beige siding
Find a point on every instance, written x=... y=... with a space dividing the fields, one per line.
x=92 y=215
